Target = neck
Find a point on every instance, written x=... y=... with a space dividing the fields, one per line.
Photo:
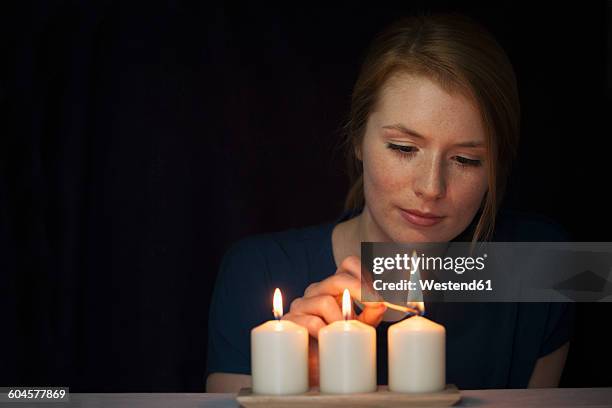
x=349 y=235
x=367 y=230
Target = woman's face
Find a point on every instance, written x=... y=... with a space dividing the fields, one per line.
x=424 y=150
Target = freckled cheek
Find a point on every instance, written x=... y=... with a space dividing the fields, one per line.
x=385 y=179
x=384 y=175
x=468 y=190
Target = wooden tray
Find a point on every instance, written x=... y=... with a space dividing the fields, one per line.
x=382 y=398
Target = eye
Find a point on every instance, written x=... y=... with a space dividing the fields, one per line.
x=405 y=152
x=465 y=162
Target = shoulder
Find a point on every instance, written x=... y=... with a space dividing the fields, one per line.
x=290 y=259
x=515 y=225
x=279 y=244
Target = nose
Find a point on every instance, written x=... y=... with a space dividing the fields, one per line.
x=430 y=183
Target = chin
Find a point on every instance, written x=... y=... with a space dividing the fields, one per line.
x=436 y=233
x=422 y=235
x=415 y=236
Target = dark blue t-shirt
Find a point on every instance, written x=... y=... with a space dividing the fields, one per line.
x=488 y=345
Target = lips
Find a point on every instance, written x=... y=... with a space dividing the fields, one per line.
x=421 y=219
x=423 y=214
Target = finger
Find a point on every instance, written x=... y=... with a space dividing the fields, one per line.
x=372 y=314
x=312 y=323
x=324 y=306
x=335 y=285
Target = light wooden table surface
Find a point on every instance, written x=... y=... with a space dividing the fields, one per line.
x=523 y=398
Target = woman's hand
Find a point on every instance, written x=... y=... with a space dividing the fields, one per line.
x=321 y=302
x=320 y=306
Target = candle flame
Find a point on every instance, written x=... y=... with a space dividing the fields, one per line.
x=277 y=304
x=346 y=305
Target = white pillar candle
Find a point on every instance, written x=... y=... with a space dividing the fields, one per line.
x=279 y=355
x=347 y=355
x=417 y=355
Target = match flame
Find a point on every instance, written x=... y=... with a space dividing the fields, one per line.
x=419 y=306
x=346 y=305
x=277 y=304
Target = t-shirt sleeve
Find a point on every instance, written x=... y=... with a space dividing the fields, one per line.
x=233 y=311
x=559 y=327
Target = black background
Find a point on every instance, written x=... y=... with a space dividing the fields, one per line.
x=141 y=139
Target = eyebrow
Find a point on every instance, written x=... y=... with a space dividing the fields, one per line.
x=413 y=133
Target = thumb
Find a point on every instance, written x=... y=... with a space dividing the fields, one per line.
x=372 y=314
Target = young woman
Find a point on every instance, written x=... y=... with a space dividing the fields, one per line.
x=433 y=128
